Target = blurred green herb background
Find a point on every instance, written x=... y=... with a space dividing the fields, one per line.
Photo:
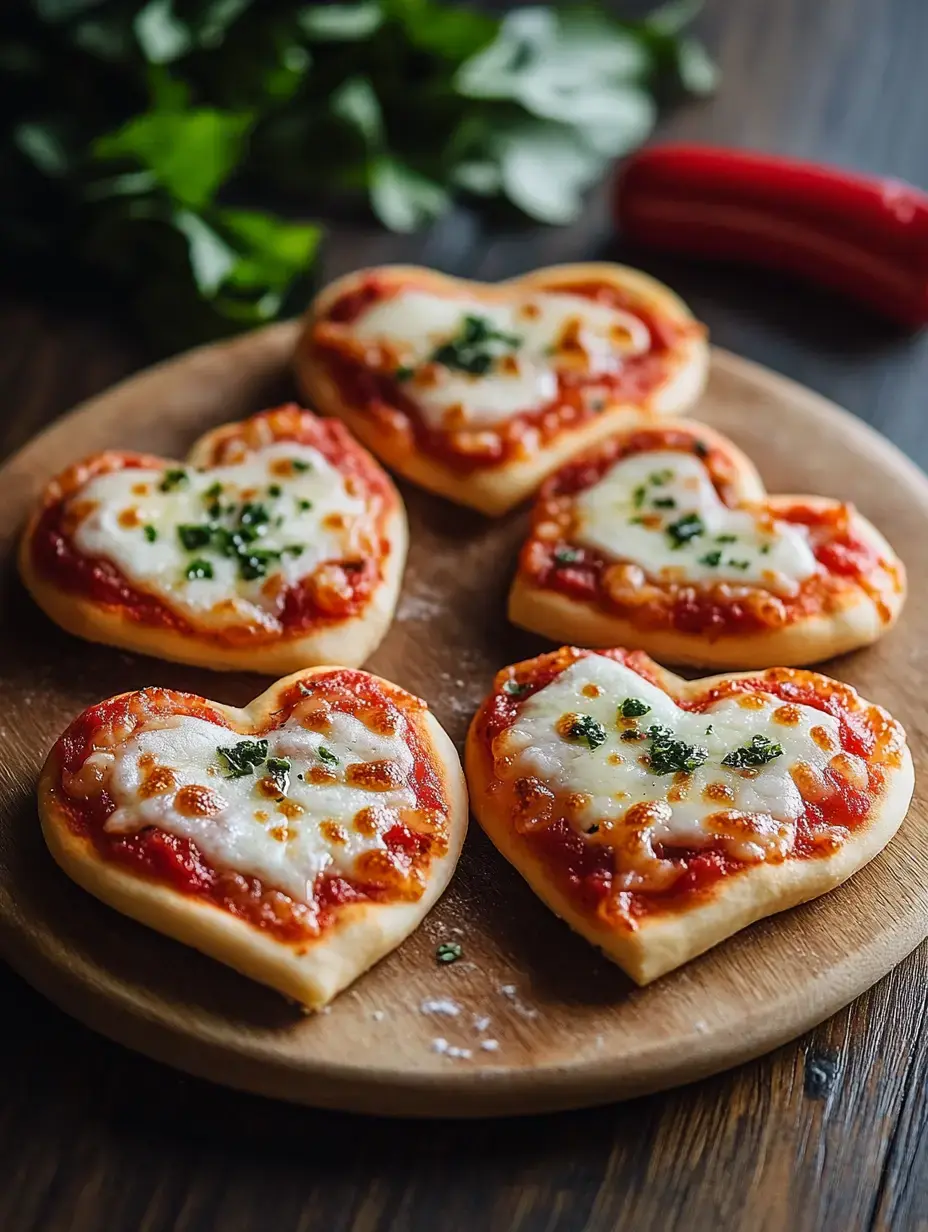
x=142 y=143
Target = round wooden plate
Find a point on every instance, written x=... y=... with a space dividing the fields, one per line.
x=533 y=1017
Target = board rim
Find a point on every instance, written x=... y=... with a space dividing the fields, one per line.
x=115 y=1010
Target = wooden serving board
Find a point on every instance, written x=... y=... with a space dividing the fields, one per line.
x=570 y=1029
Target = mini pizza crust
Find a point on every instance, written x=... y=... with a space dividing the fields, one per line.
x=349 y=641
x=664 y=941
x=310 y=972
x=812 y=639
x=496 y=489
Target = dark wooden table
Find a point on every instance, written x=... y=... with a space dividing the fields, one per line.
x=829 y=1133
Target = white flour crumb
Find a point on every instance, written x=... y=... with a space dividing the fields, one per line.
x=378 y=1015
x=489 y=1045
x=442 y=1046
x=700 y=1026
x=510 y=991
x=481 y=1024
x=326 y=1009
x=417 y=608
x=599 y=1041
x=440 y=1005
x=459 y=932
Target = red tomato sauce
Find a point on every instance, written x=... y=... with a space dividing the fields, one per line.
x=166 y=858
x=56 y=558
x=584 y=869
x=381 y=396
x=718 y=609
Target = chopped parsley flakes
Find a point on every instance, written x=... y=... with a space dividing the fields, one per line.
x=278 y=769
x=566 y=556
x=668 y=755
x=150 y=533
x=757 y=752
x=326 y=756
x=404 y=373
x=193 y=537
x=585 y=727
x=199 y=570
x=300 y=465
x=684 y=529
x=242 y=758
x=514 y=689
x=712 y=558
x=476 y=347
x=448 y=952
x=633 y=708
x=174 y=479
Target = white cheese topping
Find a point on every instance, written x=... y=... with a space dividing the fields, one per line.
x=647 y=506
x=301 y=515
x=751 y=812
x=244 y=826
x=535 y=339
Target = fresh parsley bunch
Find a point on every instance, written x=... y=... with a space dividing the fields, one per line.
x=143 y=142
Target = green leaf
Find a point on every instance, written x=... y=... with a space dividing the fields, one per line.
x=498 y=70
x=43 y=147
x=272 y=251
x=403 y=199
x=54 y=11
x=192 y=152
x=340 y=22
x=454 y=33
x=357 y=104
x=161 y=35
x=481 y=177
x=671 y=18
x=219 y=16
x=695 y=68
x=545 y=169
x=211 y=258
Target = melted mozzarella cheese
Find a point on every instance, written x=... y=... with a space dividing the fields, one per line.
x=554 y=332
x=311 y=518
x=285 y=844
x=632 y=512
x=751 y=812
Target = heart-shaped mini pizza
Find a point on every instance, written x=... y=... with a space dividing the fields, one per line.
x=659 y=816
x=279 y=544
x=298 y=840
x=663 y=537
x=476 y=391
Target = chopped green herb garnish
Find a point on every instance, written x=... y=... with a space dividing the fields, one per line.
x=739 y=564
x=150 y=533
x=633 y=708
x=242 y=758
x=639 y=521
x=633 y=734
x=294 y=549
x=659 y=478
x=664 y=502
x=514 y=689
x=304 y=506
x=709 y=730
x=275 y=490
x=448 y=952
x=193 y=537
x=711 y=558
x=476 y=346
x=256 y=562
x=279 y=770
x=765 y=549
x=668 y=755
x=213 y=491
x=300 y=465
x=566 y=556
x=757 y=752
x=585 y=727
x=254 y=516
x=174 y=479
x=726 y=538
x=199 y=571
x=404 y=373
x=327 y=756
x=593 y=829
x=684 y=529
x=638 y=496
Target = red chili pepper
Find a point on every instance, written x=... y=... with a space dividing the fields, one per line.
x=863 y=236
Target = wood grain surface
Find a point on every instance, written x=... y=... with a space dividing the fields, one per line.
x=830 y=1133
x=569 y=1030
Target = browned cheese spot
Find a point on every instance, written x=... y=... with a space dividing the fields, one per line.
x=197 y=800
x=157 y=781
x=374 y=775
